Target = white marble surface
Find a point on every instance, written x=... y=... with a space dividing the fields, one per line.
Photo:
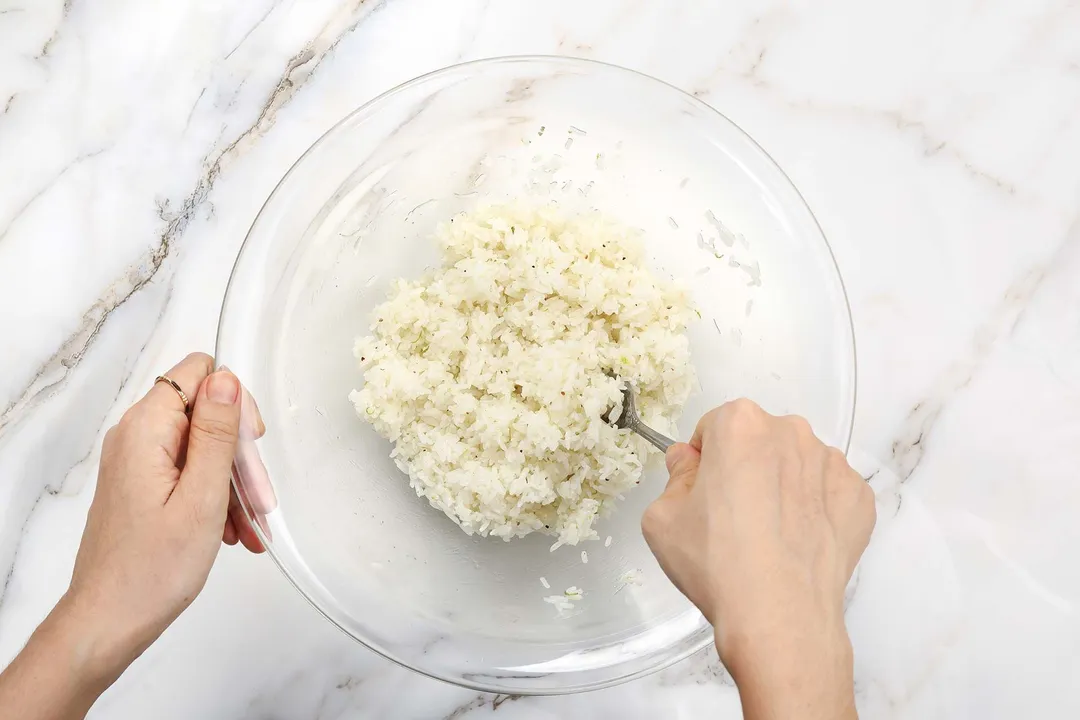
x=937 y=142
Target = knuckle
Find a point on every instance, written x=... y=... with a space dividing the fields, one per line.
x=800 y=425
x=855 y=496
x=711 y=418
x=111 y=436
x=199 y=359
x=214 y=429
x=838 y=460
x=866 y=498
x=652 y=521
x=132 y=418
x=742 y=408
x=110 y=445
x=737 y=411
x=741 y=418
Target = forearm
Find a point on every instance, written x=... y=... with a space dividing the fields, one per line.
x=61 y=671
x=808 y=677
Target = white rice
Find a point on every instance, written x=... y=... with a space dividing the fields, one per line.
x=630 y=577
x=491 y=374
x=565 y=602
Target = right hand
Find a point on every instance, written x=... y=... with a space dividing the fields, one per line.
x=761 y=526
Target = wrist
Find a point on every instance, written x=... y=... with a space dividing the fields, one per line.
x=94 y=653
x=798 y=671
x=65 y=666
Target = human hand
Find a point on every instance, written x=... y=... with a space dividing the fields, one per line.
x=161 y=509
x=761 y=526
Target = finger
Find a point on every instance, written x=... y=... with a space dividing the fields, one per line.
x=189 y=374
x=251 y=420
x=244 y=532
x=734 y=429
x=215 y=426
x=682 y=463
x=158 y=418
x=248 y=537
x=251 y=474
x=738 y=413
x=228 y=536
x=255 y=515
x=851 y=504
x=699 y=429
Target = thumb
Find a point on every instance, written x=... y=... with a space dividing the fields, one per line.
x=215 y=427
x=682 y=464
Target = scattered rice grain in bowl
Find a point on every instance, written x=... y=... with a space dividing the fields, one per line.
x=491 y=374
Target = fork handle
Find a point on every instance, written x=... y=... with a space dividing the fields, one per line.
x=660 y=442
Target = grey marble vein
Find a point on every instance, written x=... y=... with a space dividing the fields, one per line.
x=47 y=47
x=960 y=151
x=298 y=69
x=65 y=450
x=273 y=6
x=48 y=185
x=909 y=446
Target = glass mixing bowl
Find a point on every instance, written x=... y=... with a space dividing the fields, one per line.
x=358 y=210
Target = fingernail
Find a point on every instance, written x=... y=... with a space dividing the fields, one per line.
x=223 y=387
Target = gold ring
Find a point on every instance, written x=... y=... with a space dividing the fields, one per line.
x=172 y=383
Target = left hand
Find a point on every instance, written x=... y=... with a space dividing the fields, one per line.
x=161 y=510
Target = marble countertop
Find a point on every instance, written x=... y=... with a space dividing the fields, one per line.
x=937 y=142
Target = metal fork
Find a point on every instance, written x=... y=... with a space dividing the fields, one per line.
x=629 y=420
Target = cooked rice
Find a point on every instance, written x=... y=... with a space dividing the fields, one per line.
x=491 y=374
